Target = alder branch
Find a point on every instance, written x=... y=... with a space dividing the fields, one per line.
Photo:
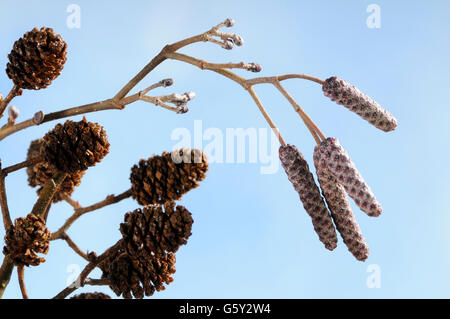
x=5 y=273
x=120 y=98
x=315 y=131
x=95 y=261
x=15 y=91
x=41 y=207
x=20 y=276
x=21 y=165
x=74 y=203
x=78 y=212
x=3 y=201
x=97 y=282
x=74 y=246
x=110 y=104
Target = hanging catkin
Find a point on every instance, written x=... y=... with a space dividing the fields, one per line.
x=298 y=173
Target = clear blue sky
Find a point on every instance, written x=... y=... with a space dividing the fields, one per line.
x=251 y=237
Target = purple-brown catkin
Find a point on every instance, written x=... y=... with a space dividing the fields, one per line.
x=340 y=209
x=343 y=93
x=297 y=170
x=336 y=159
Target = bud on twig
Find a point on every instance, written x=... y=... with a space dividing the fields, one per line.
x=13 y=114
x=228 y=44
x=229 y=23
x=38 y=117
x=255 y=67
x=166 y=82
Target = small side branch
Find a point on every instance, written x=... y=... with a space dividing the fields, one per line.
x=74 y=246
x=41 y=206
x=266 y=116
x=75 y=204
x=20 y=276
x=15 y=91
x=81 y=280
x=3 y=201
x=111 y=199
x=21 y=165
x=5 y=273
x=315 y=131
x=96 y=282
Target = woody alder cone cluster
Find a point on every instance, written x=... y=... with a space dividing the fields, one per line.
x=297 y=170
x=156 y=231
x=27 y=237
x=341 y=211
x=345 y=94
x=74 y=146
x=138 y=275
x=36 y=59
x=40 y=173
x=168 y=176
x=91 y=295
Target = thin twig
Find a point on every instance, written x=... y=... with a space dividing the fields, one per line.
x=97 y=282
x=15 y=91
x=266 y=116
x=81 y=280
x=4 y=201
x=162 y=56
x=111 y=199
x=20 y=276
x=23 y=164
x=41 y=206
x=75 y=204
x=5 y=273
x=74 y=246
x=313 y=128
x=200 y=64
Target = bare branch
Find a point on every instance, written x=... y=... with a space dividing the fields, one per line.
x=161 y=57
x=15 y=91
x=71 y=202
x=315 y=131
x=81 y=280
x=111 y=199
x=5 y=273
x=74 y=246
x=21 y=165
x=41 y=206
x=96 y=282
x=3 y=201
x=20 y=276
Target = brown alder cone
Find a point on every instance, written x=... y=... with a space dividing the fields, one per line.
x=27 y=237
x=36 y=59
x=340 y=209
x=74 y=146
x=343 y=93
x=91 y=295
x=138 y=275
x=344 y=170
x=157 y=229
x=40 y=173
x=167 y=177
x=297 y=170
